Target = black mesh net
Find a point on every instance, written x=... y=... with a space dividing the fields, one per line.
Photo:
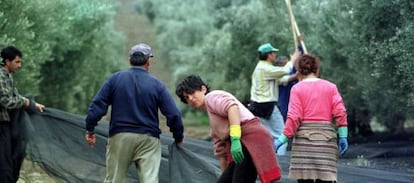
x=55 y=141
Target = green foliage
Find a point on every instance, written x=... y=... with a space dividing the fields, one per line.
x=196 y=117
x=365 y=46
x=222 y=37
x=70 y=47
x=369 y=61
x=17 y=29
x=387 y=41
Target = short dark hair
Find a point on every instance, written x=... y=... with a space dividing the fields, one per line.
x=263 y=56
x=189 y=85
x=10 y=53
x=138 y=59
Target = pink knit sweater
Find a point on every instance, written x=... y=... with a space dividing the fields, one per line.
x=314 y=100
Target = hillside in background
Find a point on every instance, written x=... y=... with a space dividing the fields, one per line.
x=136 y=29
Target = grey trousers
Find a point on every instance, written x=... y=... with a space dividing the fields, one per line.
x=142 y=149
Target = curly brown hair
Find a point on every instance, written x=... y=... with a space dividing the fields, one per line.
x=308 y=64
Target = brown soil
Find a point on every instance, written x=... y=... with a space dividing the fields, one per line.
x=32 y=172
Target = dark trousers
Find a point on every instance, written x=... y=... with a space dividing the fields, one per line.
x=6 y=161
x=12 y=153
x=314 y=181
x=244 y=172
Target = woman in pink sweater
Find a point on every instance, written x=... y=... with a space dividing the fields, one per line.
x=316 y=118
x=244 y=144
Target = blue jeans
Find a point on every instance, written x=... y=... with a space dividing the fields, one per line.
x=275 y=125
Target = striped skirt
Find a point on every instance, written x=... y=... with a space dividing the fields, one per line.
x=314 y=152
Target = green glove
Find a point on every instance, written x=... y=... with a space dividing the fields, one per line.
x=343 y=131
x=236 y=150
x=279 y=142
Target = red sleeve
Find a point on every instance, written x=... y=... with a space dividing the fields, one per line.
x=338 y=109
x=295 y=114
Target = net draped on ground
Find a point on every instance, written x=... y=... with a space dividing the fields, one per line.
x=55 y=141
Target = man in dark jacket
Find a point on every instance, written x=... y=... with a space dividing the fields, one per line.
x=135 y=97
x=11 y=151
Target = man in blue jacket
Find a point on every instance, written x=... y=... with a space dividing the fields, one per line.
x=135 y=97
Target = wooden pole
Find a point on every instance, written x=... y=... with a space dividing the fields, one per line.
x=301 y=41
x=294 y=27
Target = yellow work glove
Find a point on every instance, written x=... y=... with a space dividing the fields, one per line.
x=236 y=147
